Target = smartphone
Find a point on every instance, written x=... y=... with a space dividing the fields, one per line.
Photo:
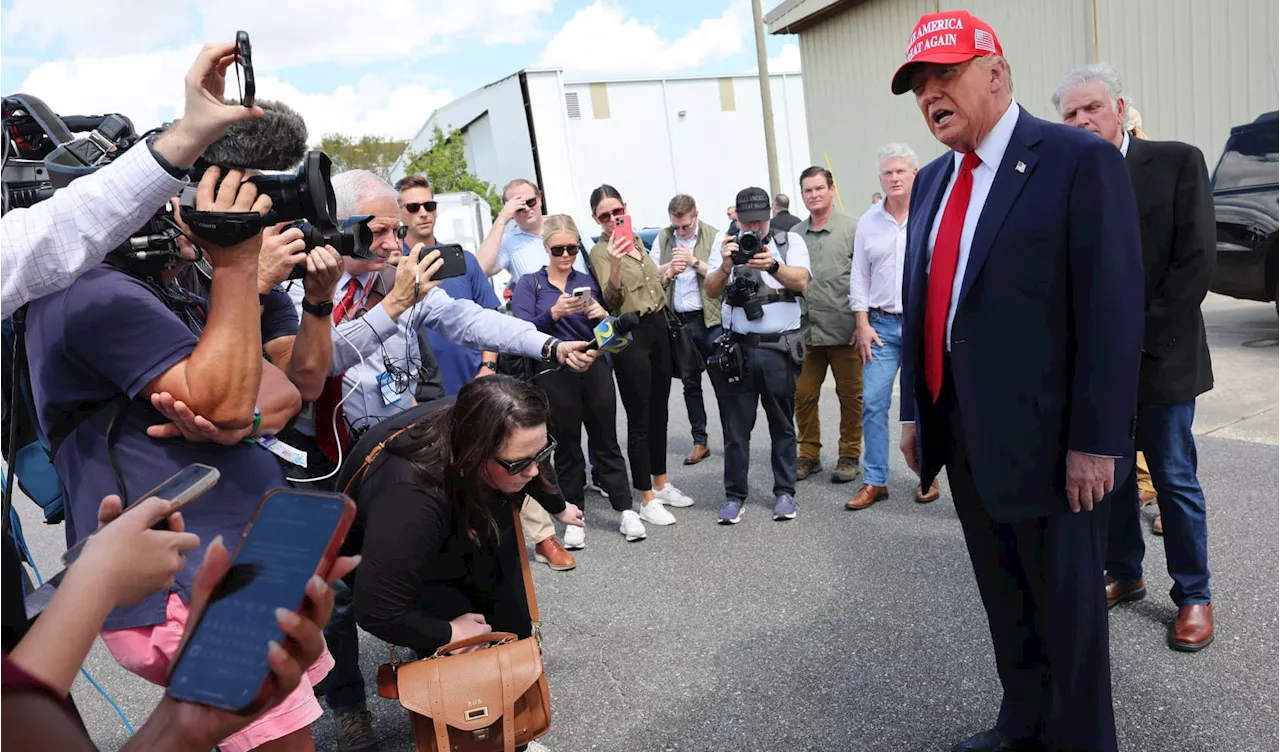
x=455 y=261
x=623 y=225
x=222 y=661
x=188 y=485
x=244 y=68
x=583 y=294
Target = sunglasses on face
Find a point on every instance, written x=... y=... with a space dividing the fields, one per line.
x=685 y=228
x=529 y=203
x=414 y=207
x=560 y=250
x=604 y=216
x=515 y=467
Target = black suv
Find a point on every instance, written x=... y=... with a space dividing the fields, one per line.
x=1246 y=200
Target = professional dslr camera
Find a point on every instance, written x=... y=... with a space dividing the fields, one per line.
x=727 y=359
x=749 y=244
x=744 y=293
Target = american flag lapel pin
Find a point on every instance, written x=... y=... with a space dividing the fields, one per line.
x=1020 y=167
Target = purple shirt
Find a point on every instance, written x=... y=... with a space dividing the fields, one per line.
x=535 y=296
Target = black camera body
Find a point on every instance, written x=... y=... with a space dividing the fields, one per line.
x=748 y=246
x=351 y=237
x=744 y=293
x=727 y=360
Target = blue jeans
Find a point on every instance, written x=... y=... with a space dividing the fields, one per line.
x=1164 y=435
x=704 y=340
x=344 y=686
x=878 y=377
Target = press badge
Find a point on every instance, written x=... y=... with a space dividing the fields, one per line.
x=286 y=452
x=387 y=386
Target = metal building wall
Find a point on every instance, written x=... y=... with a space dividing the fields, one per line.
x=1193 y=67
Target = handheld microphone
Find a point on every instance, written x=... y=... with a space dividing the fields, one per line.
x=611 y=333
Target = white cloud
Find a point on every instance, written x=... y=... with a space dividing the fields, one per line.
x=603 y=38
x=285 y=33
x=147 y=87
x=787 y=60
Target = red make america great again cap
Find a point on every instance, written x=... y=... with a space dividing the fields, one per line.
x=947 y=38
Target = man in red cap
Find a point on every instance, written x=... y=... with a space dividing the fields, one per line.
x=1021 y=340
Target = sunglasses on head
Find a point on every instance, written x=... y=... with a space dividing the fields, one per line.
x=413 y=207
x=560 y=250
x=604 y=216
x=515 y=467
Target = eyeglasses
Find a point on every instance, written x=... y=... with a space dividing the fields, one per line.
x=560 y=250
x=604 y=216
x=531 y=202
x=685 y=228
x=515 y=467
x=414 y=207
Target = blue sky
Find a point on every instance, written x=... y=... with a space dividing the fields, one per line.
x=381 y=73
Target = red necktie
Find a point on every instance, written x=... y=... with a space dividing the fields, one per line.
x=329 y=404
x=942 y=273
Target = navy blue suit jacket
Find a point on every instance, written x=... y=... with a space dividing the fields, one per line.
x=1048 y=327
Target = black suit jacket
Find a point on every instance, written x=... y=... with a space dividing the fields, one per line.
x=784 y=221
x=1048 y=331
x=1175 y=210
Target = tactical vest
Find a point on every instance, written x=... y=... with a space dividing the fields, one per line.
x=701 y=251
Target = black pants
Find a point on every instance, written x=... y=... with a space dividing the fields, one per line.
x=704 y=339
x=770 y=381
x=644 y=377
x=587 y=398
x=1042 y=585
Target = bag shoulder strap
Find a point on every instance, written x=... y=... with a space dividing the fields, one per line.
x=529 y=595
x=370 y=458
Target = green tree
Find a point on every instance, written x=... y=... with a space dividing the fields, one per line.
x=371 y=153
x=444 y=162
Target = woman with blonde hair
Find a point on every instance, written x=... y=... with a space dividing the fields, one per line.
x=548 y=299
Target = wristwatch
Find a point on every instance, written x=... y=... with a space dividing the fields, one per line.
x=696 y=264
x=776 y=266
x=550 y=349
x=490 y=364
x=317 y=309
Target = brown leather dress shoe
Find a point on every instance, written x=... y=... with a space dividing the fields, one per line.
x=924 y=497
x=1119 y=592
x=866 y=497
x=1157 y=527
x=806 y=467
x=1193 y=630
x=554 y=555
x=1145 y=498
x=699 y=453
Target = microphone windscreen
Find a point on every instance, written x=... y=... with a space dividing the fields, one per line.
x=276 y=141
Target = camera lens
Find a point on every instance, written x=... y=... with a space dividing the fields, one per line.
x=750 y=243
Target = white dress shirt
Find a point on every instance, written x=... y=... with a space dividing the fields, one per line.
x=879 y=247
x=778 y=317
x=687 y=296
x=45 y=247
x=1124 y=145
x=991 y=152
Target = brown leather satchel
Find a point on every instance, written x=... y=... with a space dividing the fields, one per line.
x=489 y=700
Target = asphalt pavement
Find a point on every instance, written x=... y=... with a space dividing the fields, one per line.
x=844 y=631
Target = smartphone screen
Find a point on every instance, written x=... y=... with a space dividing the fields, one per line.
x=294 y=535
x=181 y=489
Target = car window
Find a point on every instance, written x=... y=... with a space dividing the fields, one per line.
x=1249 y=160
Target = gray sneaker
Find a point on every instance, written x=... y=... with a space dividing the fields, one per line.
x=355 y=731
x=731 y=512
x=784 y=507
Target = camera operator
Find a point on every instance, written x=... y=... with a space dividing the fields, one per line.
x=100 y=350
x=763 y=347
x=45 y=247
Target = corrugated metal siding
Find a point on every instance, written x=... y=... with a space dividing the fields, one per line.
x=1194 y=68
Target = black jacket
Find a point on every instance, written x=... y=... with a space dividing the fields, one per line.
x=1175 y=209
x=784 y=221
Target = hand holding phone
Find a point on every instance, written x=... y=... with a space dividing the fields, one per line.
x=455 y=262
x=622 y=228
x=244 y=69
x=583 y=294
x=231 y=647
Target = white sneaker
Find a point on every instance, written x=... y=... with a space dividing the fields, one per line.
x=632 y=528
x=671 y=496
x=656 y=514
x=575 y=538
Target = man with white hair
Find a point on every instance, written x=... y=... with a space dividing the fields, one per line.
x=1176 y=215
x=875 y=295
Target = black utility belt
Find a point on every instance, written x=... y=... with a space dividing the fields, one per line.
x=781 y=296
x=756 y=340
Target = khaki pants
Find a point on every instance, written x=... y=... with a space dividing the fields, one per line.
x=536 y=522
x=1144 y=475
x=846 y=363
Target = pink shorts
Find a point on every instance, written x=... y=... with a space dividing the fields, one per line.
x=148 y=651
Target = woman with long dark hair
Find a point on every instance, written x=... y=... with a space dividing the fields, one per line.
x=547 y=298
x=632 y=282
x=434 y=517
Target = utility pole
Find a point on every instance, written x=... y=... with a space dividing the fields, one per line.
x=766 y=98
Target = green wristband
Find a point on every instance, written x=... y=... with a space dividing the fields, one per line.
x=257 y=420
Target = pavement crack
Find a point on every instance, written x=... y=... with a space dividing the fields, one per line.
x=613 y=678
x=1239 y=420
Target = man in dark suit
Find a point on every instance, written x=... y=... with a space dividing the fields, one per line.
x=1175 y=208
x=1020 y=346
x=783 y=220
